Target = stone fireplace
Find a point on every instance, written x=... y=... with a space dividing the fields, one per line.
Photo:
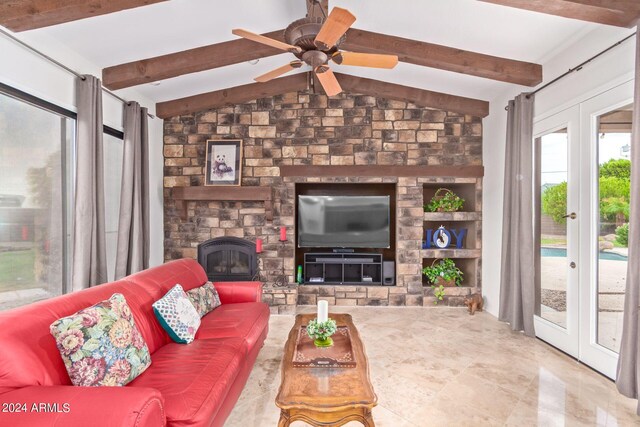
x=305 y=130
x=228 y=259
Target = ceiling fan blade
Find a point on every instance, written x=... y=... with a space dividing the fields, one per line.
x=265 y=40
x=334 y=27
x=278 y=71
x=373 y=60
x=328 y=81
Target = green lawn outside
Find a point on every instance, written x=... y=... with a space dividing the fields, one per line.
x=550 y=241
x=16 y=270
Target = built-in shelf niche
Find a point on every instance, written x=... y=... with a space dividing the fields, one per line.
x=469 y=267
x=468 y=257
x=350 y=189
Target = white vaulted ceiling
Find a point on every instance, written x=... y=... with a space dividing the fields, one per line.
x=178 y=25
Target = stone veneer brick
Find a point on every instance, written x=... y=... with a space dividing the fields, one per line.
x=310 y=129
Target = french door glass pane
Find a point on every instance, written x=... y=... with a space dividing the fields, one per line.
x=33 y=158
x=614 y=144
x=553 y=174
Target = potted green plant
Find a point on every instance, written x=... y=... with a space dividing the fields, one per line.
x=443 y=272
x=321 y=332
x=444 y=200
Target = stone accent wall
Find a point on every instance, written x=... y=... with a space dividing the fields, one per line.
x=310 y=129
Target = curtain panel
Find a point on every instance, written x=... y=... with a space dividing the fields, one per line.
x=133 y=224
x=517 y=285
x=89 y=242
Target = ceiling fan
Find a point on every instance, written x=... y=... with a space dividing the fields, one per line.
x=315 y=41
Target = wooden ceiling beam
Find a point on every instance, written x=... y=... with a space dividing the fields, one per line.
x=232 y=96
x=23 y=15
x=621 y=5
x=237 y=51
x=188 y=61
x=620 y=13
x=445 y=57
x=420 y=97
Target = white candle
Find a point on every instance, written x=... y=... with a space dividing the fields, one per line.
x=323 y=311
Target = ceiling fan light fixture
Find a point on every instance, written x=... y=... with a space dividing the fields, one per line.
x=315 y=58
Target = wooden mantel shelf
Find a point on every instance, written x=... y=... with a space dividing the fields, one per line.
x=382 y=170
x=223 y=193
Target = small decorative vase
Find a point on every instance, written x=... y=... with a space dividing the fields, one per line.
x=327 y=342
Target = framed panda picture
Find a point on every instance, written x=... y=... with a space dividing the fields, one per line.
x=223 y=162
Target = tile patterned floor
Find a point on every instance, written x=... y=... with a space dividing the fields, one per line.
x=442 y=367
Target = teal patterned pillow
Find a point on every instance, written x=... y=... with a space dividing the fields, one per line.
x=204 y=298
x=177 y=315
x=101 y=345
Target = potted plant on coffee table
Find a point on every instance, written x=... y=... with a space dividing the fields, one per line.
x=321 y=332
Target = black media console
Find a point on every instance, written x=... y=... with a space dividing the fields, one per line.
x=342 y=269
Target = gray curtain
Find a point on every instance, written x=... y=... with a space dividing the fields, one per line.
x=89 y=247
x=133 y=225
x=628 y=378
x=517 y=286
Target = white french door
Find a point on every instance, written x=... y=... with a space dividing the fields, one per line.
x=606 y=138
x=556 y=210
x=582 y=191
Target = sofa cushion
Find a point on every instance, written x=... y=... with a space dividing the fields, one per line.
x=194 y=379
x=246 y=320
x=154 y=284
x=204 y=298
x=177 y=315
x=101 y=345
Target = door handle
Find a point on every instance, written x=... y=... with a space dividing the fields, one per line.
x=572 y=215
x=572 y=265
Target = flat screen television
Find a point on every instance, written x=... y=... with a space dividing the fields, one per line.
x=343 y=221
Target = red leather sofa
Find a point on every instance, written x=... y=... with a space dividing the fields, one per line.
x=195 y=384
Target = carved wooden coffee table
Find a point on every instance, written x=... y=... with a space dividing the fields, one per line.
x=328 y=397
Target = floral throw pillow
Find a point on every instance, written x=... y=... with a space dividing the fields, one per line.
x=101 y=345
x=177 y=315
x=204 y=298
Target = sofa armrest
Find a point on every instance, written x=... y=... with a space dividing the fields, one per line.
x=71 y=406
x=234 y=292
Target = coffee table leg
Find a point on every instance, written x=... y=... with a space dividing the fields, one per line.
x=368 y=419
x=284 y=419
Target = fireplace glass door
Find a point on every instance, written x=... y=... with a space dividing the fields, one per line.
x=238 y=263
x=229 y=263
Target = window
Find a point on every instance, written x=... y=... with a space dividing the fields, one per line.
x=113 y=155
x=35 y=150
x=37 y=176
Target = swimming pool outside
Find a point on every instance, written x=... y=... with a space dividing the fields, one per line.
x=562 y=253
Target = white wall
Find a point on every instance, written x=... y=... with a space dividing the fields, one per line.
x=24 y=70
x=608 y=71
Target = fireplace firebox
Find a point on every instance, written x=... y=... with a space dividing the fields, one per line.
x=228 y=259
